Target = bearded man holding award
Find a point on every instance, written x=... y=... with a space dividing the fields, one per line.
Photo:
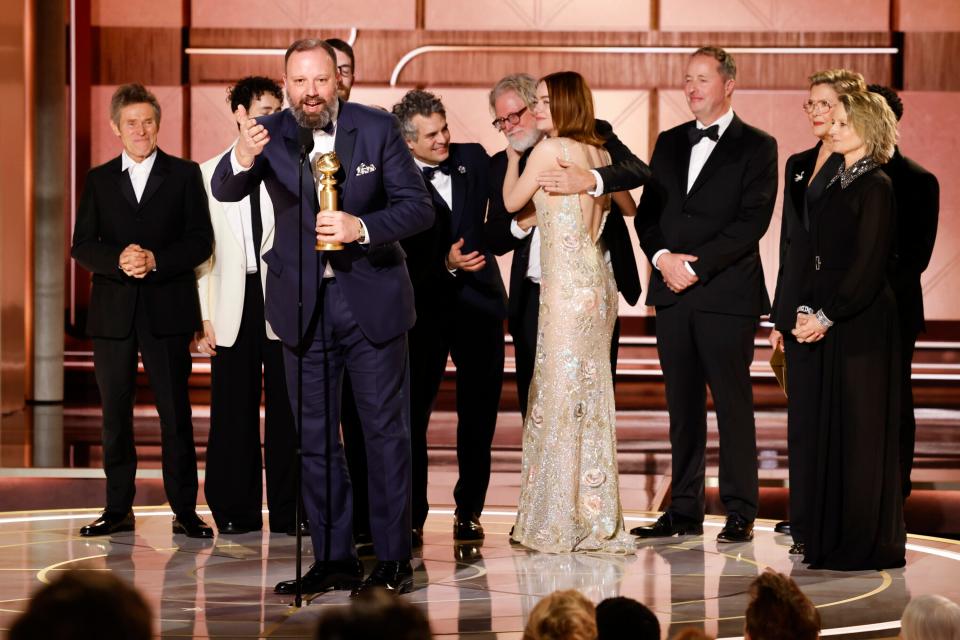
x=357 y=302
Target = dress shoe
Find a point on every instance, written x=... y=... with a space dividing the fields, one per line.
x=737 y=529
x=416 y=538
x=467 y=553
x=108 y=523
x=467 y=529
x=670 y=524
x=797 y=549
x=191 y=525
x=233 y=528
x=394 y=576
x=325 y=576
x=782 y=527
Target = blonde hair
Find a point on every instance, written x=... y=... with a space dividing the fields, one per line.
x=931 y=618
x=873 y=119
x=841 y=80
x=562 y=615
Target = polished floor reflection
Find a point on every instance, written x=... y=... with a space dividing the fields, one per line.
x=223 y=588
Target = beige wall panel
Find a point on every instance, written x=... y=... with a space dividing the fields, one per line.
x=774 y=15
x=930 y=134
x=137 y=13
x=104 y=145
x=212 y=127
x=928 y=15
x=538 y=15
x=303 y=14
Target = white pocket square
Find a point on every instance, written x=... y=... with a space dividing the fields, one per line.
x=364 y=168
x=798 y=177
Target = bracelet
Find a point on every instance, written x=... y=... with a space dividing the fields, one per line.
x=824 y=320
x=805 y=309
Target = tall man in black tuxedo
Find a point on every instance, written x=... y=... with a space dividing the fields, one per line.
x=511 y=102
x=461 y=305
x=917 y=193
x=700 y=221
x=357 y=304
x=142 y=227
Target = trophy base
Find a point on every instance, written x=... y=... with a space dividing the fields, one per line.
x=328 y=246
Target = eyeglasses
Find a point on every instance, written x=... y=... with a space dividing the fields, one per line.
x=346 y=71
x=512 y=118
x=817 y=107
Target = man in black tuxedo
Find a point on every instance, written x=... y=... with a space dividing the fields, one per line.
x=917 y=193
x=461 y=304
x=142 y=227
x=699 y=222
x=511 y=102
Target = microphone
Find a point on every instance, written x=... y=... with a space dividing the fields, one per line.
x=305 y=138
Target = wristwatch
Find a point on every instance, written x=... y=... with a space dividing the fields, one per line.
x=362 y=235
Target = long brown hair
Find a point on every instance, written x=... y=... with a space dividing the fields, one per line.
x=571 y=107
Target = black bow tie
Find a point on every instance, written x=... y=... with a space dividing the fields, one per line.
x=696 y=134
x=327 y=128
x=429 y=172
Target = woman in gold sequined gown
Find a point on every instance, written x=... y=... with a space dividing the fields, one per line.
x=569 y=489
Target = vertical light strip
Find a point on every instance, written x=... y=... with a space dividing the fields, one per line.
x=73 y=154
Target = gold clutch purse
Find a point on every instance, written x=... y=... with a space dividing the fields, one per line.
x=778 y=362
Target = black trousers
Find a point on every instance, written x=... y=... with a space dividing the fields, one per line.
x=908 y=421
x=234 y=469
x=523 y=328
x=697 y=349
x=166 y=360
x=804 y=380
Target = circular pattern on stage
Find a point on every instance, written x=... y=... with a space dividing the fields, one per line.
x=224 y=587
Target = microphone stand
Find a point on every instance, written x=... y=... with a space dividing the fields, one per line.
x=305 y=147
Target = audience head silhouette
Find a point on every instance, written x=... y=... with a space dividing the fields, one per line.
x=626 y=618
x=778 y=610
x=930 y=618
x=374 y=615
x=562 y=615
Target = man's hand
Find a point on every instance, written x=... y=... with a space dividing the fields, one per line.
x=207 y=340
x=473 y=261
x=808 y=328
x=337 y=226
x=253 y=138
x=567 y=180
x=136 y=261
x=527 y=217
x=512 y=154
x=675 y=272
x=776 y=340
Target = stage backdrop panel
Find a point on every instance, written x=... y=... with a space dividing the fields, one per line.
x=137 y=13
x=927 y=15
x=774 y=15
x=303 y=14
x=538 y=15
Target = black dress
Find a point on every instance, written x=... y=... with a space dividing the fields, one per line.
x=854 y=504
x=801 y=194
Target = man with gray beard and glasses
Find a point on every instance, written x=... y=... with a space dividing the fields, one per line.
x=511 y=103
x=357 y=305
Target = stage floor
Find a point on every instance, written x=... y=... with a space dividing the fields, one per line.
x=223 y=588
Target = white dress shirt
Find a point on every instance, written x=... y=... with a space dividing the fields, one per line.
x=139 y=172
x=441 y=181
x=699 y=155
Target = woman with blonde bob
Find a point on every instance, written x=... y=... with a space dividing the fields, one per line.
x=846 y=320
x=805 y=180
x=930 y=617
x=562 y=615
x=569 y=489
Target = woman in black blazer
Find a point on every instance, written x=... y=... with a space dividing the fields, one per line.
x=846 y=320
x=806 y=176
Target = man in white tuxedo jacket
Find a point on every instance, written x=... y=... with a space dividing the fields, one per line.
x=241 y=343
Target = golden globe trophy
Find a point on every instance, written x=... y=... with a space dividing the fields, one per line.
x=327 y=165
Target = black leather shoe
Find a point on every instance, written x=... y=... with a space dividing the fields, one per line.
x=394 y=576
x=797 y=549
x=232 y=528
x=108 y=523
x=326 y=576
x=782 y=527
x=737 y=529
x=670 y=524
x=416 y=538
x=191 y=525
x=467 y=529
x=467 y=553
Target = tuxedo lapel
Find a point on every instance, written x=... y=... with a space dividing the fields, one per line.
x=344 y=144
x=683 y=157
x=459 y=194
x=725 y=148
x=126 y=186
x=801 y=171
x=161 y=167
x=291 y=141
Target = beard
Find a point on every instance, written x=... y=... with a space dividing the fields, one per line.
x=318 y=120
x=522 y=143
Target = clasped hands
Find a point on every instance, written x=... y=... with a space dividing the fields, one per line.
x=808 y=328
x=675 y=273
x=137 y=262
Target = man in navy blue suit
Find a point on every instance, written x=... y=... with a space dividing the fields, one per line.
x=461 y=305
x=357 y=305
